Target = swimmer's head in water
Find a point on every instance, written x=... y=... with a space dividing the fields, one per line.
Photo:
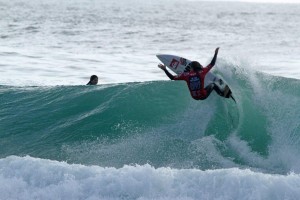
x=93 y=80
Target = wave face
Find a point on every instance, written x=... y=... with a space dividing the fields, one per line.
x=158 y=123
x=151 y=140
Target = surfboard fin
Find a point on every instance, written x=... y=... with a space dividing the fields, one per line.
x=232 y=98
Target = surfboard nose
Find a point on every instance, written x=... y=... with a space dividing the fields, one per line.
x=159 y=56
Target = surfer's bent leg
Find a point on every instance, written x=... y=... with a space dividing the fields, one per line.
x=212 y=87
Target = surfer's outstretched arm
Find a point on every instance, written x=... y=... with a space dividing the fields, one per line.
x=213 y=61
x=166 y=71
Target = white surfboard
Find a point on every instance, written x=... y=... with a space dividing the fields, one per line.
x=179 y=65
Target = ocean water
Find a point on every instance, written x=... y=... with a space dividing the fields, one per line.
x=138 y=135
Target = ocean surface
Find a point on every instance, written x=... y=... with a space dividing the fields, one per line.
x=138 y=135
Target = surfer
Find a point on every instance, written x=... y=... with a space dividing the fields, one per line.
x=93 y=80
x=195 y=79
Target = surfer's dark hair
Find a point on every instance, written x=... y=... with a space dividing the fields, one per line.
x=196 y=66
x=91 y=79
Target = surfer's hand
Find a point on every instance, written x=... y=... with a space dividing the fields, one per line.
x=161 y=66
x=217 y=50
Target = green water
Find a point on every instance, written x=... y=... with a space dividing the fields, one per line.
x=152 y=122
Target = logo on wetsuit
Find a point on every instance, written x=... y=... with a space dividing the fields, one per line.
x=195 y=83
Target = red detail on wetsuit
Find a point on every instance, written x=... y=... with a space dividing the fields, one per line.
x=195 y=82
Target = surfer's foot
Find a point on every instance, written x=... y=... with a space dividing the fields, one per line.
x=226 y=92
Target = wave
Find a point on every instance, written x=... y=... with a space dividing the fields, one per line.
x=20 y=178
x=158 y=123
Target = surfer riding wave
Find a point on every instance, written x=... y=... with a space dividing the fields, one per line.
x=195 y=79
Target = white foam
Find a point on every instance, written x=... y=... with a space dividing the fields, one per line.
x=33 y=178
